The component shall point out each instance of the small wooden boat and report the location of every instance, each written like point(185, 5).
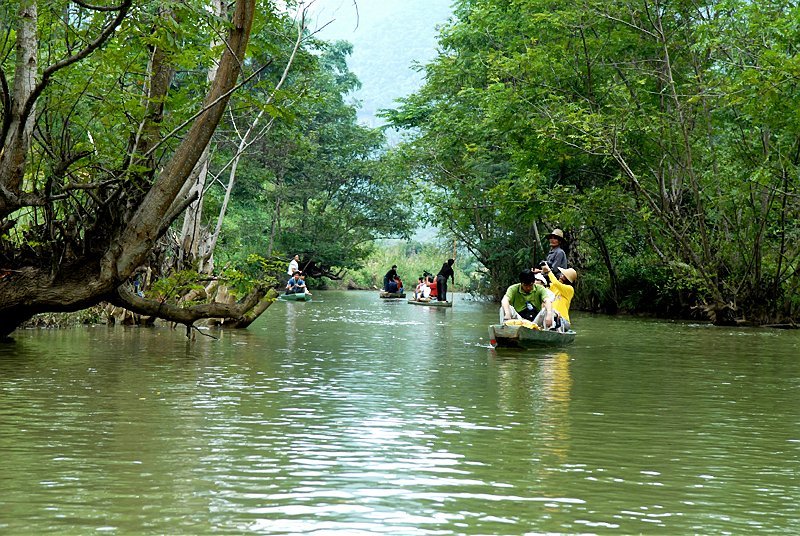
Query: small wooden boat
point(520, 336)
point(295, 297)
point(391, 295)
point(431, 303)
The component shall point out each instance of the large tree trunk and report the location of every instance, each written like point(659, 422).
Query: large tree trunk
point(192, 234)
point(17, 136)
point(147, 224)
point(27, 289)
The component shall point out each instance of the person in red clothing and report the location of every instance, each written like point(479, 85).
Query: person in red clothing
point(432, 285)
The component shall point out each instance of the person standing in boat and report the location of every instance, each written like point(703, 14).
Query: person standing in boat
point(441, 279)
point(525, 299)
point(556, 258)
point(294, 265)
point(389, 276)
point(563, 289)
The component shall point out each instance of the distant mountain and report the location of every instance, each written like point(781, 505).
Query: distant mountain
point(388, 37)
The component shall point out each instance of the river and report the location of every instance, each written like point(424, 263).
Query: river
point(352, 415)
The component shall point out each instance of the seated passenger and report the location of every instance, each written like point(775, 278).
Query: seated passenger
point(293, 286)
point(525, 299)
point(418, 290)
point(389, 276)
point(399, 283)
point(426, 293)
point(391, 286)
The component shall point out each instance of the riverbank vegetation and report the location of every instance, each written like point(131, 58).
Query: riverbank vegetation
point(413, 259)
point(662, 137)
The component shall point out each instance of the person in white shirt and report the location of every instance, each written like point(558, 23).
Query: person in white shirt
point(423, 291)
point(294, 265)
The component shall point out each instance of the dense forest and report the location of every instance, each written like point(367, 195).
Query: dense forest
point(190, 148)
point(181, 147)
point(663, 137)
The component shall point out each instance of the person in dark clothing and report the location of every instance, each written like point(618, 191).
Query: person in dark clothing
point(441, 279)
point(391, 286)
point(390, 275)
point(556, 258)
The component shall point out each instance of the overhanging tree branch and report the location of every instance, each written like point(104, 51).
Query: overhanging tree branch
point(124, 297)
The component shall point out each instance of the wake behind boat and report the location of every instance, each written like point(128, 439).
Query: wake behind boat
point(524, 334)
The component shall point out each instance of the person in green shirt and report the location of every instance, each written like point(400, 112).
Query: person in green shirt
point(524, 299)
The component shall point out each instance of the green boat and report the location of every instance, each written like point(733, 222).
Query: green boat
point(506, 336)
point(392, 295)
point(295, 297)
point(431, 303)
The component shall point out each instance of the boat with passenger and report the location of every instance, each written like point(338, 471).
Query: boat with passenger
point(519, 333)
point(297, 296)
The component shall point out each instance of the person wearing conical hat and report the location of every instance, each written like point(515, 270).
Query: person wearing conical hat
point(562, 288)
point(556, 258)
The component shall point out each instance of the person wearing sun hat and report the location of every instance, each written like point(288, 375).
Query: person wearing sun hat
point(562, 288)
point(557, 259)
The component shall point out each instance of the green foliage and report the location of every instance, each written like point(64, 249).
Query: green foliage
point(240, 279)
point(675, 130)
point(316, 185)
point(177, 285)
point(256, 271)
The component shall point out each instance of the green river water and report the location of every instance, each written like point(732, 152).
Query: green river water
point(352, 415)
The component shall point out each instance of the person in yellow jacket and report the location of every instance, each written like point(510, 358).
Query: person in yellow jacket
point(562, 287)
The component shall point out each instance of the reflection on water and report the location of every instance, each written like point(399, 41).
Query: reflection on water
point(353, 415)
